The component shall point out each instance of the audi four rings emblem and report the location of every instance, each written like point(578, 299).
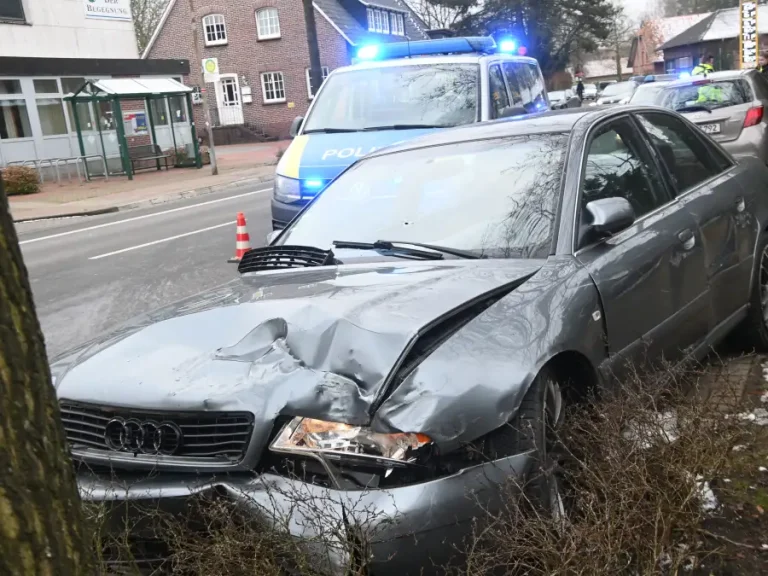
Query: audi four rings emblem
point(143, 436)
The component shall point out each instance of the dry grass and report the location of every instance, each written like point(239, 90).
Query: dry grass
point(637, 467)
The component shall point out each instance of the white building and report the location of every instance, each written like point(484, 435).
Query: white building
point(67, 28)
point(48, 48)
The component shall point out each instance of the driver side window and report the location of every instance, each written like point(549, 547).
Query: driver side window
point(618, 164)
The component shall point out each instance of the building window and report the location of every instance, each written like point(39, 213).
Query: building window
point(385, 22)
point(51, 112)
point(267, 24)
point(398, 24)
point(310, 88)
point(14, 120)
point(685, 62)
point(46, 86)
point(70, 86)
point(215, 30)
point(11, 10)
point(8, 87)
point(273, 87)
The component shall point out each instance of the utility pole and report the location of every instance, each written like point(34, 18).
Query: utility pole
point(199, 63)
point(315, 70)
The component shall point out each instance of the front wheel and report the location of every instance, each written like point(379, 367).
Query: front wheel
point(536, 428)
point(755, 327)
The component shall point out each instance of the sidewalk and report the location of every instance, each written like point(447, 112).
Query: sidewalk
point(239, 166)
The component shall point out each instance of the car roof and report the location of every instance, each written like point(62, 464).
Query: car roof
point(551, 122)
point(474, 58)
point(722, 75)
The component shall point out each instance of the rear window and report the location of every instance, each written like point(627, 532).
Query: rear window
point(710, 95)
point(647, 95)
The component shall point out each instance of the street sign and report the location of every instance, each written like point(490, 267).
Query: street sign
point(749, 42)
point(211, 70)
point(108, 9)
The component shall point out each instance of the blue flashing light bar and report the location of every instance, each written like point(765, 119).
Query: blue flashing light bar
point(313, 184)
point(460, 45)
point(685, 75)
point(507, 45)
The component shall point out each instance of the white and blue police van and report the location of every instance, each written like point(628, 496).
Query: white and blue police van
point(397, 91)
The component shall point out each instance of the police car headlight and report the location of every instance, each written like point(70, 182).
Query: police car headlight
point(287, 189)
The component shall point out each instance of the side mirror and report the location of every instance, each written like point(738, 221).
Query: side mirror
point(295, 125)
point(610, 215)
point(271, 236)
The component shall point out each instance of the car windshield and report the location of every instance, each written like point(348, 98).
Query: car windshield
point(557, 95)
point(647, 94)
point(495, 198)
point(417, 95)
point(710, 95)
point(619, 88)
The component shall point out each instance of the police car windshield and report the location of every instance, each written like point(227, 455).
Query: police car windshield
point(494, 198)
point(412, 95)
point(710, 95)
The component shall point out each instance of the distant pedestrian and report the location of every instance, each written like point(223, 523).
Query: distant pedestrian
point(707, 66)
point(763, 64)
point(580, 89)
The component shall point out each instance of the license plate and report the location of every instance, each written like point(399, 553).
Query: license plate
point(710, 128)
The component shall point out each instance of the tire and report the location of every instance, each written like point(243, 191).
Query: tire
point(534, 428)
point(754, 330)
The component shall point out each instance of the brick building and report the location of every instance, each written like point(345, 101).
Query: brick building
point(261, 47)
point(645, 57)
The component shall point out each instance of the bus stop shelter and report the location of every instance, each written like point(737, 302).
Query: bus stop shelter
point(116, 100)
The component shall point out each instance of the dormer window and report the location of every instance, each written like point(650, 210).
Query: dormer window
point(386, 22)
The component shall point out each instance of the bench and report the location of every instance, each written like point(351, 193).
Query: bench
point(145, 153)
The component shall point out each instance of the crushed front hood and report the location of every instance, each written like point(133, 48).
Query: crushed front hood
point(307, 342)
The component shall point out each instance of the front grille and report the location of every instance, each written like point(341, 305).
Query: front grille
point(281, 257)
point(214, 437)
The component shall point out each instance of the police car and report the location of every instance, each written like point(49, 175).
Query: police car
point(399, 91)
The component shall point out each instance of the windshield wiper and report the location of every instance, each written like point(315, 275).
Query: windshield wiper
point(694, 108)
point(402, 248)
point(406, 127)
point(330, 130)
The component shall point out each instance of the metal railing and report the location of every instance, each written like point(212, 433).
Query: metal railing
point(55, 164)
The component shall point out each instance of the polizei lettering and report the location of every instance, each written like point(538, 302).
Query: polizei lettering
point(343, 153)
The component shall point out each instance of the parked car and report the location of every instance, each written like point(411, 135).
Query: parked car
point(397, 91)
point(729, 106)
point(603, 85)
point(647, 94)
point(617, 93)
point(563, 99)
point(404, 346)
point(590, 91)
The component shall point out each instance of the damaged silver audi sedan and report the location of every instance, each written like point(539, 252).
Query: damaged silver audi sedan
point(408, 343)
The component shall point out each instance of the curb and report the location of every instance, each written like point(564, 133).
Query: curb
point(159, 200)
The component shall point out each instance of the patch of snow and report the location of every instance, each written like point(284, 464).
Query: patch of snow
point(759, 416)
point(763, 469)
point(764, 398)
point(727, 480)
point(708, 500)
point(739, 448)
point(764, 546)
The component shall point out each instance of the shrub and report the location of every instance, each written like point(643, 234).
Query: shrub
point(20, 180)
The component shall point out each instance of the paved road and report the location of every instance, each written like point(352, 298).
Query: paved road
point(90, 275)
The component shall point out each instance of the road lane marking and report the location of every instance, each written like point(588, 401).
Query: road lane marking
point(162, 240)
point(52, 236)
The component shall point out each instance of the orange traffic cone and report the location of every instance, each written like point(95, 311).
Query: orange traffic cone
point(242, 240)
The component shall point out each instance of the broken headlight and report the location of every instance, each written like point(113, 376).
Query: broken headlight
point(343, 441)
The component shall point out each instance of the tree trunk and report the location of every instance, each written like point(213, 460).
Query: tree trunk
point(41, 523)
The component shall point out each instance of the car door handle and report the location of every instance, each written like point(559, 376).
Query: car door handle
point(687, 239)
point(740, 205)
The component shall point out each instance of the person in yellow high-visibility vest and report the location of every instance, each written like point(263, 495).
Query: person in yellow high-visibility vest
point(711, 93)
point(707, 66)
